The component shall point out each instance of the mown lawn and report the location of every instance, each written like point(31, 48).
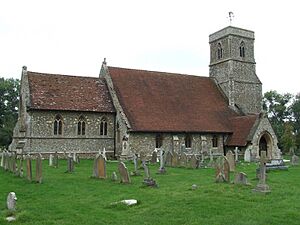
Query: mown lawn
point(76, 198)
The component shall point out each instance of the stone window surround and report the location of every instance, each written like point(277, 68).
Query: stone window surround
point(103, 127)
point(58, 125)
point(242, 49)
point(215, 141)
point(81, 126)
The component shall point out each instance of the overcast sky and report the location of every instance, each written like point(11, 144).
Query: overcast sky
point(73, 37)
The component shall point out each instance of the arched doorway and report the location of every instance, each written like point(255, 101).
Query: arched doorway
point(265, 144)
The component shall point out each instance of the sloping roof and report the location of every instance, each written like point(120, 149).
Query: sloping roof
point(242, 126)
point(62, 92)
point(168, 102)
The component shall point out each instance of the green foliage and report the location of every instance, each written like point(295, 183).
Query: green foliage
point(75, 198)
point(9, 102)
point(288, 139)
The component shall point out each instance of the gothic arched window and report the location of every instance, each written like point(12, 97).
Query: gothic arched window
point(103, 127)
point(242, 49)
point(220, 51)
point(81, 126)
point(188, 141)
point(57, 125)
point(215, 141)
point(158, 140)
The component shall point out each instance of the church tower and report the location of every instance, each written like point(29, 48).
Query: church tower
point(232, 66)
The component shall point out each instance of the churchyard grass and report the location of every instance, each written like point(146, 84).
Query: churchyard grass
point(75, 198)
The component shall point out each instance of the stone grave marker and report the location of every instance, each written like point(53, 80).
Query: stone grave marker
point(175, 159)
point(231, 160)
point(194, 162)
point(162, 168)
point(154, 157)
point(262, 186)
point(169, 158)
point(99, 167)
point(148, 181)
point(136, 172)
point(236, 154)
point(241, 178)
point(247, 155)
point(9, 161)
point(38, 167)
point(11, 201)
point(75, 157)
point(124, 175)
point(5, 163)
point(114, 176)
point(183, 160)
point(28, 168)
point(2, 160)
point(222, 169)
point(104, 153)
point(295, 160)
point(70, 168)
point(20, 170)
point(55, 160)
point(51, 160)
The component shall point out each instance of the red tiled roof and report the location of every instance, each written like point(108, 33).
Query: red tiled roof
point(62, 92)
point(162, 102)
point(242, 126)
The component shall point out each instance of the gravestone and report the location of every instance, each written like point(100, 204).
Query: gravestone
point(124, 175)
point(104, 153)
point(169, 158)
point(148, 181)
point(136, 172)
point(38, 167)
point(99, 167)
point(183, 160)
point(194, 162)
point(295, 160)
point(14, 162)
point(70, 168)
point(20, 171)
point(231, 161)
point(28, 168)
point(182, 149)
point(175, 159)
point(2, 160)
point(222, 169)
point(247, 155)
point(154, 157)
point(51, 160)
point(114, 176)
point(55, 160)
point(236, 154)
point(262, 187)
point(5, 163)
point(11, 201)
point(241, 178)
point(75, 157)
point(162, 168)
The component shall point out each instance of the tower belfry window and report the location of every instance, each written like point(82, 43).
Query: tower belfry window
point(220, 51)
point(242, 49)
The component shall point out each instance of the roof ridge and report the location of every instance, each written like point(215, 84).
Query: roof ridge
point(61, 75)
point(163, 72)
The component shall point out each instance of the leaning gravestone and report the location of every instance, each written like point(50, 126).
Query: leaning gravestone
point(169, 158)
point(183, 160)
point(295, 160)
point(154, 158)
point(11, 201)
point(241, 178)
point(124, 175)
point(262, 186)
point(222, 169)
point(38, 174)
point(247, 155)
point(175, 159)
point(99, 167)
point(28, 168)
point(231, 161)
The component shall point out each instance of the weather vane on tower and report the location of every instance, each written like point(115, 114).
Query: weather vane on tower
point(230, 17)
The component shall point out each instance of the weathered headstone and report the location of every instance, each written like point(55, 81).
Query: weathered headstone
point(2, 160)
point(183, 160)
point(148, 181)
point(241, 178)
point(114, 176)
point(231, 161)
point(28, 168)
point(99, 167)
point(136, 172)
point(5, 161)
point(194, 162)
point(247, 155)
point(175, 159)
point(55, 160)
point(124, 175)
point(154, 157)
point(222, 169)
point(75, 157)
point(169, 158)
point(51, 160)
point(104, 153)
point(162, 168)
point(236, 154)
point(20, 168)
point(11, 201)
point(14, 162)
point(70, 168)
point(295, 160)
point(38, 167)
point(262, 187)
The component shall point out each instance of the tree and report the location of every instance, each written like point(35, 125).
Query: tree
point(296, 118)
point(9, 102)
point(288, 138)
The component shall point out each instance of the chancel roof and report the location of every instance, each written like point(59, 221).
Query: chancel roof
point(73, 93)
point(168, 102)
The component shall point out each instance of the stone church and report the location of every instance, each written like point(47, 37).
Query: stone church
point(130, 111)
